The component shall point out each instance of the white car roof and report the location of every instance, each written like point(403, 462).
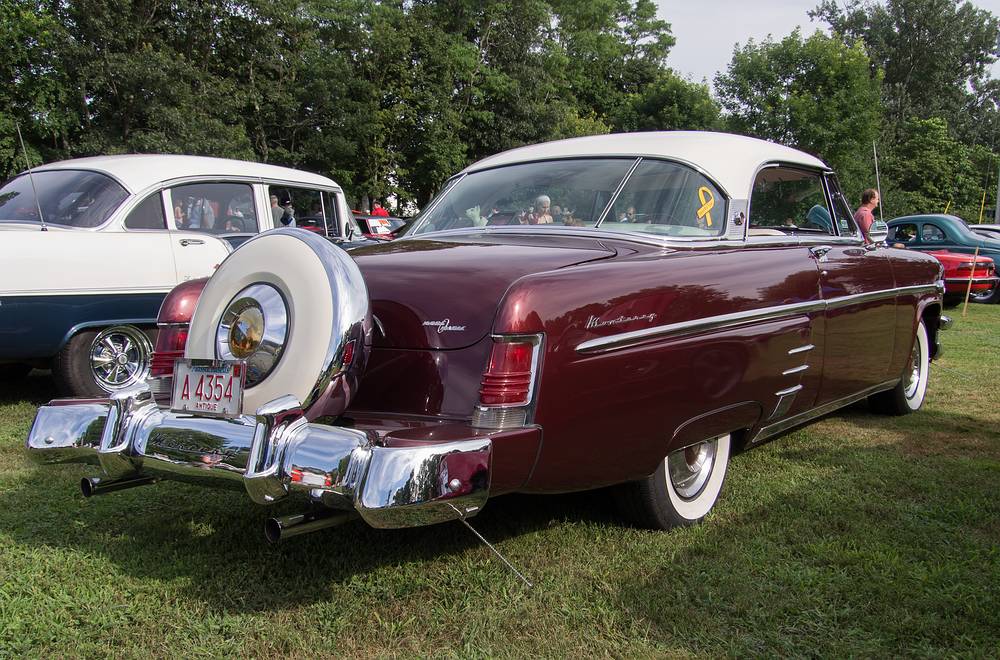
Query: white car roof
point(731, 160)
point(140, 171)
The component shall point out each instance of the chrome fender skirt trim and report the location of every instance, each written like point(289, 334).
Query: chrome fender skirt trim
point(778, 427)
point(272, 455)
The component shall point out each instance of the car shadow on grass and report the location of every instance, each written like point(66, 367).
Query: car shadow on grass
point(213, 541)
point(36, 388)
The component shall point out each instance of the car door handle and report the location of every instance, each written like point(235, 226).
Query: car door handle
point(191, 241)
point(819, 251)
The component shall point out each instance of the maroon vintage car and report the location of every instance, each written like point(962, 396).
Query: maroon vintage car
point(694, 293)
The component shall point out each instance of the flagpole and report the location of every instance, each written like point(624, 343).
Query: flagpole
point(878, 182)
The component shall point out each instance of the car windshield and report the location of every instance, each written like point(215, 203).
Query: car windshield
point(72, 198)
point(659, 197)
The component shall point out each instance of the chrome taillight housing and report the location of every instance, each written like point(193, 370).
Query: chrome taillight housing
point(170, 341)
point(507, 390)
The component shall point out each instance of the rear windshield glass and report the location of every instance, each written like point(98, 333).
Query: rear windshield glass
point(660, 197)
point(71, 198)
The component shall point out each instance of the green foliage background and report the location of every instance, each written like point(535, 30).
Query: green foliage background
point(390, 97)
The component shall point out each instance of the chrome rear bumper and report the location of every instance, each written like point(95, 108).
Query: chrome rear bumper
point(271, 454)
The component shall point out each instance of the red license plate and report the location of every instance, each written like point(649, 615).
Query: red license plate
point(209, 387)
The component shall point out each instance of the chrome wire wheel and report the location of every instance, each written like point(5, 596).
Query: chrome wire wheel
point(690, 468)
point(120, 357)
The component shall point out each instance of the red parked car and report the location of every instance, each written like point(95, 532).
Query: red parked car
point(706, 292)
point(959, 269)
point(379, 226)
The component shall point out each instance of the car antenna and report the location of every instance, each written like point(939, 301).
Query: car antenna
point(31, 178)
point(479, 536)
point(878, 182)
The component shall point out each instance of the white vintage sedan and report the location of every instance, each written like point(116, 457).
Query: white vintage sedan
point(89, 248)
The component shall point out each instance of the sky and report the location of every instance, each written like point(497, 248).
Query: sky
point(707, 30)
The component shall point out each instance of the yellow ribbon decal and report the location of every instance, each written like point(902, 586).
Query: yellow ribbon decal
point(707, 204)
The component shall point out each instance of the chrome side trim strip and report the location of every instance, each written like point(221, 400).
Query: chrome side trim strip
point(723, 321)
point(801, 349)
point(785, 424)
point(794, 370)
point(919, 288)
point(114, 291)
point(858, 298)
point(790, 390)
point(700, 325)
point(975, 280)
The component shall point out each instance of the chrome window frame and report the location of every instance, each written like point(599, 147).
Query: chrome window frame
point(606, 233)
point(168, 187)
point(114, 215)
point(128, 207)
point(820, 173)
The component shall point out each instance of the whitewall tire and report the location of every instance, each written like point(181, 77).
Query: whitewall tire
point(908, 395)
point(684, 488)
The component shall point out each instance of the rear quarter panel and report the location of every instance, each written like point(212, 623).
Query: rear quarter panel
point(611, 417)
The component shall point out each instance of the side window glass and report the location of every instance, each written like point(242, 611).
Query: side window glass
point(148, 215)
point(214, 208)
point(332, 213)
point(788, 201)
point(906, 233)
point(841, 209)
point(666, 198)
point(298, 207)
point(931, 233)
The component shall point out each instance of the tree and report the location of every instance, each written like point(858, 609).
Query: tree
point(672, 103)
point(37, 96)
point(932, 52)
point(814, 94)
point(613, 50)
point(929, 170)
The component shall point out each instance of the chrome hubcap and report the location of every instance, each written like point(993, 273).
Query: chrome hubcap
point(690, 468)
point(913, 373)
point(119, 357)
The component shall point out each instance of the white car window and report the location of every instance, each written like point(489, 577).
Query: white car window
point(148, 214)
point(72, 198)
point(790, 201)
point(305, 208)
point(214, 208)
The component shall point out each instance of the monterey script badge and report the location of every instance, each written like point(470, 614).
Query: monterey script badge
point(444, 326)
point(595, 322)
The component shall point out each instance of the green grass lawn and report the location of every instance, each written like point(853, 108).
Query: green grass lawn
point(859, 535)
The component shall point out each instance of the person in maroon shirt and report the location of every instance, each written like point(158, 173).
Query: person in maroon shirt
point(863, 216)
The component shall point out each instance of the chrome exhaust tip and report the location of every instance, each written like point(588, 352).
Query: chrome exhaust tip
point(285, 527)
point(91, 486)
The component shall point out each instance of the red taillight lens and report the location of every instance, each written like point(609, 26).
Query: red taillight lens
point(170, 343)
point(507, 380)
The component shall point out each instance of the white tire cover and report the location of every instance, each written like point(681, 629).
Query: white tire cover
point(290, 260)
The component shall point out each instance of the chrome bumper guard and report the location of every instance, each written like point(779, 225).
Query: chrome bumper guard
point(272, 454)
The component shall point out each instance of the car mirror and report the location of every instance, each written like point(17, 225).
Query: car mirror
point(878, 232)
